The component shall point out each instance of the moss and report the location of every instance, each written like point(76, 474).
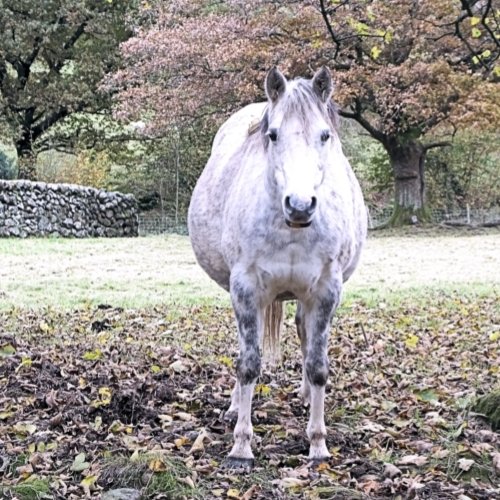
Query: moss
point(404, 216)
point(489, 406)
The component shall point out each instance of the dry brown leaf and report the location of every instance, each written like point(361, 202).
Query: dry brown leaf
point(293, 482)
point(465, 464)
point(496, 460)
point(421, 446)
point(390, 470)
point(412, 460)
point(249, 493)
point(181, 415)
point(187, 480)
point(371, 426)
point(198, 445)
point(370, 486)
point(179, 442)
point(157, 465)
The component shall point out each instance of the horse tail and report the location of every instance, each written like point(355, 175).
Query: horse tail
point(273, 322)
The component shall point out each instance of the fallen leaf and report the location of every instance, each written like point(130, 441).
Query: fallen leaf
point(25, 471)
point(371, 426)
point(323, 466)
point(441, 453)
point(183, 416)
point(198, 442)
point(44, 327)
point(7, 350)
point(178, 366)
point(79, 463)
point(421, 445)
point(496, 460)
point(293, 482)
point(187, 480)
point(25, 428)
point(263, 390)
point(411, 341)
point(370, 486)
point(179, 442)
point(412, 460)
point(157, 465)
point(249, 493)
point(390, 470)
point(93, 355)
point(465, 464)
point(87, 483)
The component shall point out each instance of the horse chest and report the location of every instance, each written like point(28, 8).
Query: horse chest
point(292, 269)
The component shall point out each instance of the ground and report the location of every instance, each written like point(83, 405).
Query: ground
point(99, 394)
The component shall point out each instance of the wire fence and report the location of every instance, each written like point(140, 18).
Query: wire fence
point(153, 223)
point(466, 216)
point(161, 224)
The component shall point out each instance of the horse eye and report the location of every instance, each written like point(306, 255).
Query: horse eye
point(273, 135)
point(325, 135)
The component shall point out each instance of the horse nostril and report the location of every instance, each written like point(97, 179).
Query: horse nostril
point(288, 205)
point(313, 204)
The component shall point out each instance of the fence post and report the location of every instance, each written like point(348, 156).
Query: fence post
point(468, 214)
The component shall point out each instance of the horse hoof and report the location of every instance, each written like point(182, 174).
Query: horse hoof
point(234, 463)
point(231, 416)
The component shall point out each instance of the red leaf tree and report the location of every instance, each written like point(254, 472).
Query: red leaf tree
point(404, 70)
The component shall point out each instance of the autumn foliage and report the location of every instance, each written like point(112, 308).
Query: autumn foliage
point(404, 70)
point(403, 63)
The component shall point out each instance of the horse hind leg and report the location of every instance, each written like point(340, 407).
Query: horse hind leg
point(232, 413)
point(305, 388)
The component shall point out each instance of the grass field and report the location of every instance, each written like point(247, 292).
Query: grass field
point(141, 272)
point(117, 362)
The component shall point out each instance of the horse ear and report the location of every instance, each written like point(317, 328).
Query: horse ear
point(275, 84)
point(322, 84)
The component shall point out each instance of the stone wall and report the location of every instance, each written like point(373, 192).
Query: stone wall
point(68, 210)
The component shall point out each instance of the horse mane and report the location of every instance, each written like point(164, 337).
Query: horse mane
point(299, 101)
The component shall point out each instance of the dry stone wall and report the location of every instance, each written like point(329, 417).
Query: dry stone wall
point(68, 210)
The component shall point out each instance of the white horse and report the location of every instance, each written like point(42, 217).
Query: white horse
point(279, 215)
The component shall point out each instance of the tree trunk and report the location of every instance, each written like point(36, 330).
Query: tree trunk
point(407, 161)
point(26, 161)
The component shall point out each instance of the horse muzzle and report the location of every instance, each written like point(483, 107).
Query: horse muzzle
point(299, 211)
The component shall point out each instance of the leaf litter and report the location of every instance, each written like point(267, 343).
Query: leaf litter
point(114, 398)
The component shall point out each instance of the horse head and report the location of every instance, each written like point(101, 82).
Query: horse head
point(298, 127)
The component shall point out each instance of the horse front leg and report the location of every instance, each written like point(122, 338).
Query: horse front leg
point(249, 317)
point(305, 390)
point(317, 321)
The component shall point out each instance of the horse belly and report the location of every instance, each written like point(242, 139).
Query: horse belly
point(205, 230)
point(208, 202)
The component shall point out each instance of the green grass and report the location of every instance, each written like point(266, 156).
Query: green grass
point(31, 489)
point(144, 272)
point(153, 473)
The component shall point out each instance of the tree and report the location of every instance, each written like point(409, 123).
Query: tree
point(467, 173)
point(405, 69)
point(6, 166)
point(53, 56)
point(411, 69)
